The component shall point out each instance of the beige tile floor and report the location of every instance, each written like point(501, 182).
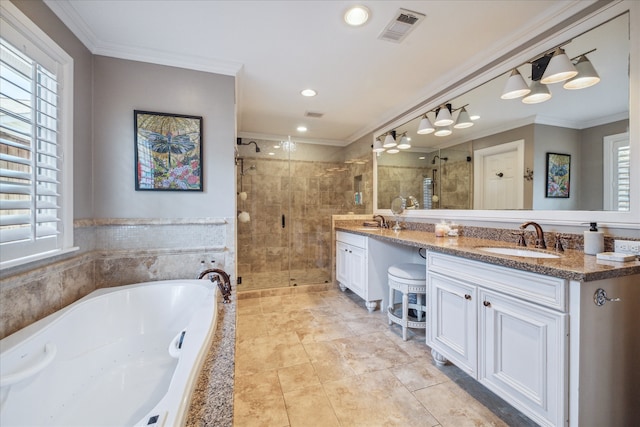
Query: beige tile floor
point(269, 280)
point(320, 359)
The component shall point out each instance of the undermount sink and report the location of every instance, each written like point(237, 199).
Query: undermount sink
point(525, 253)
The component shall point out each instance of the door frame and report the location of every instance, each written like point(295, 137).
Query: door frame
point(479, 173)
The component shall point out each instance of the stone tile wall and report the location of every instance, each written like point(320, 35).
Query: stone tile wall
point(308, 193)
point(113, 253)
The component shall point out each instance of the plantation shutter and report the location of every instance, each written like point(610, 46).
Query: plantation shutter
point(29, 152)
point(623, 181)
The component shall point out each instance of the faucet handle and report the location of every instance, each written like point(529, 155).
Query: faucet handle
point(521, 240)
point(558, 244)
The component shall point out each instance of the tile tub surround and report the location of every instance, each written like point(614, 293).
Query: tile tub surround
point(573, 264)
point(113, 252)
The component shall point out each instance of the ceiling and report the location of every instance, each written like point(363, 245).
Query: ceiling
point(277, 48)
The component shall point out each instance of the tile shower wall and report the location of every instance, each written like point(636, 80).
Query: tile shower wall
point(452, 179)
point(113, 253)
point(316, 189)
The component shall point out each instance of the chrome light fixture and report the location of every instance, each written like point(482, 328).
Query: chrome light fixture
point(425, 126)
point(377, 146)
point(443, 116)
point(515, 87)
point(463, 121)
point(559, 69)
point(587, 75)
point(390, 140)
point(404, 143)
point(539, 93)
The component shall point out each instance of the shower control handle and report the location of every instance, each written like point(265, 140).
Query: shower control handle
point(283, 222)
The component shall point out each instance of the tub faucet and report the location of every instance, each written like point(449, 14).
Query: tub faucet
point(382, 222)
point(222, 279)
point(540, 243)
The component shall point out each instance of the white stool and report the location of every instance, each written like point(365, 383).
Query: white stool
point(408, 278)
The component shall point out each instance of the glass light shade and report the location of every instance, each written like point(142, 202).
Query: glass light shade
point(425, 126)
point(443, 131)
point(463, 121)
point(515, 87)
point(377, 146)
point(559, 69)
point(404, 143)
point(389, 141)
point(443, 118)
point(539, 93)
point(587, 75)
point(393, 151)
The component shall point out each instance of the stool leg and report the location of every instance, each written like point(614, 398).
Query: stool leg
point(390, 306)
point(405, 315)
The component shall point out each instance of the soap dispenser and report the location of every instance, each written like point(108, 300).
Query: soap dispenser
point(593, 240)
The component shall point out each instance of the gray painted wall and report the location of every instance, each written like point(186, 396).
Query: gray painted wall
point(122, 86)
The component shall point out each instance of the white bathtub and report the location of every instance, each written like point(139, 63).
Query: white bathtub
point(125, 356)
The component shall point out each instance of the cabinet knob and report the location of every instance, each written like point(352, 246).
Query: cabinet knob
point(467, 296)
point(486, 303)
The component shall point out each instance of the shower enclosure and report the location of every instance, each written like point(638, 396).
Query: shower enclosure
point(287, 193)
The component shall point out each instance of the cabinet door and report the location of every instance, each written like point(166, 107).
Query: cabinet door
point(452, 322)
point(358, 271)
point(342, 263)
point(522, 355)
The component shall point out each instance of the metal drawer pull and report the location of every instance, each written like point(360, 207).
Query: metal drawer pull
point(486, 303)
point(600, 297)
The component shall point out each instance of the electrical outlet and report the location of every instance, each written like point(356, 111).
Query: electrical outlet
point(627, 246)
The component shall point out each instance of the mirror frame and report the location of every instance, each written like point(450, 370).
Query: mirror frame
point(579, 25)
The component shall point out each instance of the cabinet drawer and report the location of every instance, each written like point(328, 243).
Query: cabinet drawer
point(543, 290)
point(352, 239)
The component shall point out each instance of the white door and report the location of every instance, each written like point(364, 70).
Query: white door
point(452, 321)
point(522, 355)
point(498, 176)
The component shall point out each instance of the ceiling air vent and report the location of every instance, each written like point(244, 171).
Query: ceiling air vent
point(401, 25)
point(313, 114)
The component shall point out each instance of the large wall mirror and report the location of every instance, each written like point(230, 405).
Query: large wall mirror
point(568, 153)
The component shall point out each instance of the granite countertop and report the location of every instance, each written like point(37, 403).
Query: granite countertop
point(572, 264)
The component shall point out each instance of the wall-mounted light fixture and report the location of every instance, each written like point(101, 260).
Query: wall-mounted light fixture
point(391, 145)
point(444, 120)
point(551, 67)
point(390, 140)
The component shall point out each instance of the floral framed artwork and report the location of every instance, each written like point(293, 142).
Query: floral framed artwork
point(558, 173)
point(168, 151)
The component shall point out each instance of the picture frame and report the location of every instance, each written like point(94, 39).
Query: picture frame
point(558, 175)
point(168, 152)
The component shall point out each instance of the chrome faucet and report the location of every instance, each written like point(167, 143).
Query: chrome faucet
point(540, 243)
point(382, 222)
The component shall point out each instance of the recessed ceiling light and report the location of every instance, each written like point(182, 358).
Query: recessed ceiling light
point(301, 128)
point(476, 117)
point(308, 92)
point(271, 153)
point(356, 15)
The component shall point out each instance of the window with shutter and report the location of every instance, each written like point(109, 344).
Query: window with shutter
point(32, 216)
point(617, 179)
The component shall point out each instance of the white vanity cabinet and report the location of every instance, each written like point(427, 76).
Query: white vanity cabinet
point(352, 267)
point(504, 327)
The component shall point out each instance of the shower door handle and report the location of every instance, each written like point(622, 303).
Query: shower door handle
point(282, 220)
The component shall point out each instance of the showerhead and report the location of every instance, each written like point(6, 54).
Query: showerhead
point(433, 161)
point(249, 143)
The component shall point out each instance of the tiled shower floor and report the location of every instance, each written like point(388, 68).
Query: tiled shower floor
point(320, 359)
